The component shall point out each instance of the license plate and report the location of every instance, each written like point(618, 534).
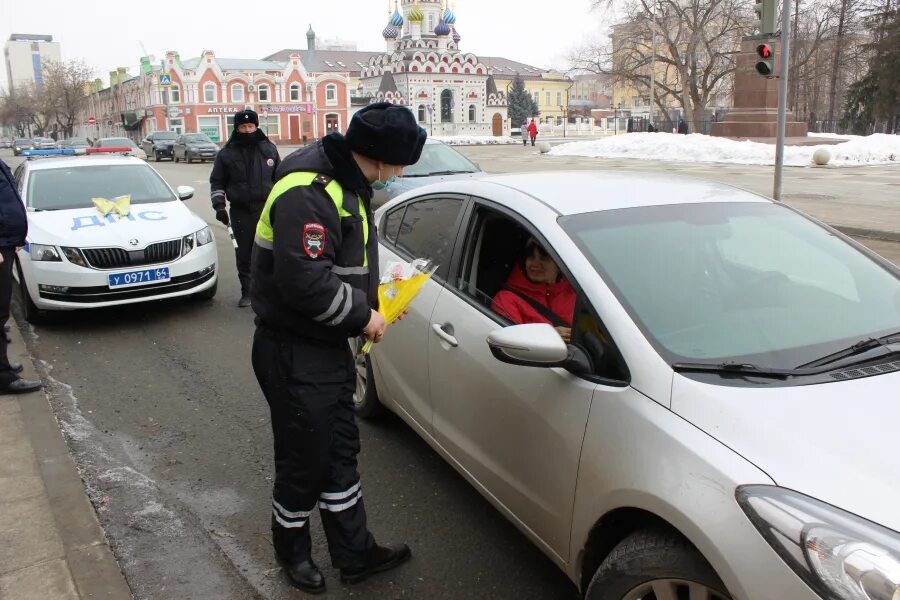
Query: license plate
point(134, 278)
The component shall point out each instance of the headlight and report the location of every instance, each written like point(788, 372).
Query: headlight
point(204, 237)
point(838, 554)
point(44, 253)
point(73, 255)
point(187, 243)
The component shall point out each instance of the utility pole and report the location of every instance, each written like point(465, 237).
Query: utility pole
point(653, 64)
point(782, 96)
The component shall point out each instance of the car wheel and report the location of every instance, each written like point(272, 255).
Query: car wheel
point(209, 293)
point(187, 156)
point(365, 398)
point(30, 311)
point(156, 155)
point(651, 564)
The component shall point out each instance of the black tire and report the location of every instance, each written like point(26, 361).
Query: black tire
point(365, 399)
point(30, 311)
point(653, 557)
point(209, 293)
point(156, 156)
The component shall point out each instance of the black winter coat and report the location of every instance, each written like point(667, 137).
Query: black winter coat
point(244, 173)
point(13, 223)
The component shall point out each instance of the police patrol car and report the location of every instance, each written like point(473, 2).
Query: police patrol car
point(105, 230)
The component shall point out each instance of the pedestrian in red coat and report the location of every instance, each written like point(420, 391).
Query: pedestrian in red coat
point(536, 292)
point(532, 131)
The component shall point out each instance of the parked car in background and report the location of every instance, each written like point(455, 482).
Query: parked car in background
point(439, 162)
point(6, 143)
point(121, 142)
point(77, 143)
point(159, 144)
point(20, 144)
point(44, 143)
point(194, 146)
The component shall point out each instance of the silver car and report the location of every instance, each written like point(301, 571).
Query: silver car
point(438, 162)
point(723, 422)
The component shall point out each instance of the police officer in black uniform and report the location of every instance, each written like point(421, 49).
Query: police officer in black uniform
point(315, 282)
point(243, 174)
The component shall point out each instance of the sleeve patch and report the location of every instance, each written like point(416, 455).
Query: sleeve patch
point(313, 239)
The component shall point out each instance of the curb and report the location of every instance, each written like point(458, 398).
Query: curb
point(875, 234)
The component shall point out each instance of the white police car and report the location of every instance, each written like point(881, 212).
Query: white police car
point(107, 230)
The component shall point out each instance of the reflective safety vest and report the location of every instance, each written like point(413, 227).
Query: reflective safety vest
point(265, 235)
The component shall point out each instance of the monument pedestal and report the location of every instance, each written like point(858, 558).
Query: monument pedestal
point(755, 112)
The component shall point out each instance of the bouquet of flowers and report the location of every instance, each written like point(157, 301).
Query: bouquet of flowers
point(400, 283)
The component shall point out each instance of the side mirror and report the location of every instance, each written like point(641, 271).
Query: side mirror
point(185, 192)
point(533, 345)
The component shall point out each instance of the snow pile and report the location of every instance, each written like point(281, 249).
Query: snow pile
point(474, 140)
point(877, 149)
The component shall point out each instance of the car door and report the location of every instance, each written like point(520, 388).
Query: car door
point(517, 431)
point(421, 228)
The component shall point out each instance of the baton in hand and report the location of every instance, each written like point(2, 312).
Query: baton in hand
point(231, 235)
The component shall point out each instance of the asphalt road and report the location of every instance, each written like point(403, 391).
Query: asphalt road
point(171, 433)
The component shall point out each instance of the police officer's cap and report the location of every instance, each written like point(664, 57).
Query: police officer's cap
point(387, 133)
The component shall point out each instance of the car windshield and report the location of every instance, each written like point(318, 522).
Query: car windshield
point(165, 135)
point(440, 159)
point(22, 142)
point(116, 143)
point(74, 187)
point(745, 282)
point(198, 138)
point(77, 141)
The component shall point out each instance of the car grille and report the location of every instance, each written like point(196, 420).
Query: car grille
point(115, 258)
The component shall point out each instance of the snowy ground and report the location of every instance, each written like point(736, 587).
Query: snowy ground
point(475, 140)
point(877, 149)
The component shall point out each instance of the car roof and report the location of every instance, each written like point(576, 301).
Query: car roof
point(576, 192)
point(63, 162)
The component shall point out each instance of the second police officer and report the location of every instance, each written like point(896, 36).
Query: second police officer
point(314, 285)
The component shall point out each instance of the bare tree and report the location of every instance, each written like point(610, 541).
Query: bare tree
point(65, 86)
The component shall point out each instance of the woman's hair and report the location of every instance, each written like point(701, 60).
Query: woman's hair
point(533, 243)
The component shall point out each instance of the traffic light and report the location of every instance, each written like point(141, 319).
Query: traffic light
point(765, 14)
point(765, 60)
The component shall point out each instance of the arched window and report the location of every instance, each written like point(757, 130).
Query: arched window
point(422, 112)
point(295, 92)
point(209, 92)
point(446, 106)
point(263, 92)
point(237, 93)
point(471, 113)
point(331, 94)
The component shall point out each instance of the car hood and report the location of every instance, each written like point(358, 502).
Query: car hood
point(86, 228)
point(404, 184)
point(835, 441)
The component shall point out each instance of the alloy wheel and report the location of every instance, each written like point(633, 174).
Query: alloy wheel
point(673, 589)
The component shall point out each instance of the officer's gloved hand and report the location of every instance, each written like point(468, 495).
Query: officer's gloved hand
point(222, 216)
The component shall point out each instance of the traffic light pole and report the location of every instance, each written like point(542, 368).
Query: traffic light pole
point(782, 96)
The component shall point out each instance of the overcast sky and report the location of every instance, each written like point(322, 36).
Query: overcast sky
point(108, 34)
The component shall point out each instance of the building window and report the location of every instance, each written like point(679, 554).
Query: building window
point(430, 24)
point(331, 94)
point(176, 125)
point(263, 93)
point(176, 94)
point(559, 98)
point(295, 92)
point(270, 125)
point(211, 126)
point(237, 93)
point(209, 92)
point(446, 106)
point(422, 112)
point(537, 98)
point(471, 113)
point(547, 98)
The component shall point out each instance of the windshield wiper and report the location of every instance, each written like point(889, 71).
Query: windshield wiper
point(732, 368)
point(859, 347)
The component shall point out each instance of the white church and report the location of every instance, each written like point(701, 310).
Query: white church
point(450, 92)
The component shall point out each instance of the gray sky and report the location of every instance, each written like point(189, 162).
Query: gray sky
point(108, 34)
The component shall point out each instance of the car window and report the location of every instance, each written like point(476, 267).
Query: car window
point(74, 187)
point(390, 227)
point(439, 159)
point(116, 143)
point(197, 138)
point(428, 230)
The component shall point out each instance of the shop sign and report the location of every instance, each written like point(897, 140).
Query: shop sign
point(223, 110)
point(291, 108)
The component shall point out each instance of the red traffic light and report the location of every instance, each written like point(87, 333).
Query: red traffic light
point(764, 51)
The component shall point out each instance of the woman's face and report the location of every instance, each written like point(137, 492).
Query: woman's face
point(540, 268)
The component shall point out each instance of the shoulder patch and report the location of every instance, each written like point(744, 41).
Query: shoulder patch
point(323, 180)
point(313, 239)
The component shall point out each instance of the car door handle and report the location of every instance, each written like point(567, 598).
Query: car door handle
point(445, 332)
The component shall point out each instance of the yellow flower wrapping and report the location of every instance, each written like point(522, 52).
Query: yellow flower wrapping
point(395, 297)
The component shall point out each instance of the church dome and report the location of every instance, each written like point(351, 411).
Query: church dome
point(442, 28)
point(390, 32)
point(449, 17)
point(456, 36)
point(397, 18)
point(415, 14)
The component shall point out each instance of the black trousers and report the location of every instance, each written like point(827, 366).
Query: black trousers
point(243, 222)
point(309, 388)
point(7, 375)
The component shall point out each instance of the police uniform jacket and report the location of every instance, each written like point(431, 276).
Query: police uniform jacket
point(315, 257)
point(244, 173)
point(13, 223)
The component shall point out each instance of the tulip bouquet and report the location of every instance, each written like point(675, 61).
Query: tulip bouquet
point(400, 283)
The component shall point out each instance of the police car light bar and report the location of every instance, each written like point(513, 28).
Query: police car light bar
point(56, 152)
point(109, 150)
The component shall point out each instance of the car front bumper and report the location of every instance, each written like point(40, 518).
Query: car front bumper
point(64, 286)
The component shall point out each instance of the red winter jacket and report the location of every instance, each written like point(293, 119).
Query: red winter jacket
point(559, 297)
point(532, 129)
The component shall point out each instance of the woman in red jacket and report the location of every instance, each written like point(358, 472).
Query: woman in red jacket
point(536, 292)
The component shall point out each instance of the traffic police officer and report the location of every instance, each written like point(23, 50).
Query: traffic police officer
point(314, 285)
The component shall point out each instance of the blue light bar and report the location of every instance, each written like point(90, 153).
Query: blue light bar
point(55, 152)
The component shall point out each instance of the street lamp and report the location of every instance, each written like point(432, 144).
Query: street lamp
point(616, 110)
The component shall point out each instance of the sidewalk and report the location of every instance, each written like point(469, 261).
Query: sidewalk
point(51, 544)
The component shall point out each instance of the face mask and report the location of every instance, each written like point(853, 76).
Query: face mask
point(383, 184)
